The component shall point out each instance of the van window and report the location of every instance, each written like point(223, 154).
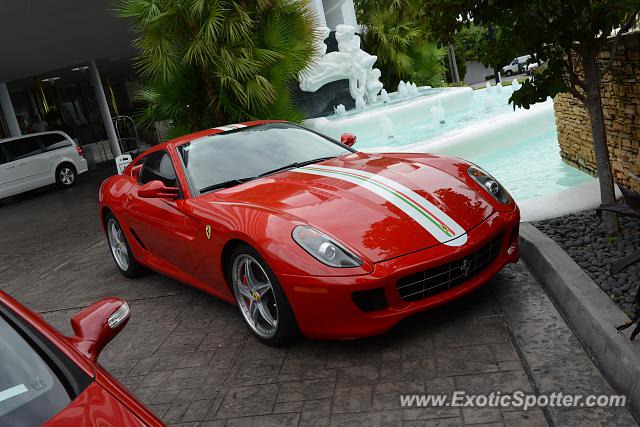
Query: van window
point(20, 148)
point(52, 141)
point(158, 166)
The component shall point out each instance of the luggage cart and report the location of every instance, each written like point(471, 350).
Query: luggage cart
point(127, 135)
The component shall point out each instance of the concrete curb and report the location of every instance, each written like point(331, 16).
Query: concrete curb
point(589, 311)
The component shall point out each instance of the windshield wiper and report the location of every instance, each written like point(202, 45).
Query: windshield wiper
point(226, 184)
point(295, 165)
point(238, 181)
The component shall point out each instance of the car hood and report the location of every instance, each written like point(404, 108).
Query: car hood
point(380, 206)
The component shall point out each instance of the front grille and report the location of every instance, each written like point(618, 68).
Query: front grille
point(444, 277)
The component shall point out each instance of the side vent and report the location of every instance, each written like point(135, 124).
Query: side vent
point(135, 236)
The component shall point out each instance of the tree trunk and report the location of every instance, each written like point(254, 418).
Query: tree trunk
point(451, 59)
point(603, 165)
point(454, 62)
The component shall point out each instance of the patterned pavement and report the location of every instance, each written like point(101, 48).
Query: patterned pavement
point(192, 361)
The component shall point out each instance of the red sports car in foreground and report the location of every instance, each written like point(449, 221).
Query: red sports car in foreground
point(306, 234)
point(51, 380)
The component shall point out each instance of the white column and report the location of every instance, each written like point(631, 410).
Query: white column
point(7, 110)
point(349, 13)
point(104, 110)
point(318, 10)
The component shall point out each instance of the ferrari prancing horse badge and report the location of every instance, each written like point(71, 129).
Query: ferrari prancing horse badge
point(207, 231)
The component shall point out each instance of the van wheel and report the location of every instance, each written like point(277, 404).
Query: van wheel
point(508, 73)
point(66, 175)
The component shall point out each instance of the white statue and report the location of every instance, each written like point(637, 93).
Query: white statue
point(349, 62)
point(384, 95)
point(373, 85)
point(360, 103)
point(339, 110)
point(321, 47)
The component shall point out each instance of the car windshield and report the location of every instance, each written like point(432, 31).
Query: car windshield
point(30, 393)
point(231, 158)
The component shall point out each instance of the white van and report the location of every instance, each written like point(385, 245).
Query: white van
point(38, 159)
point(516, 66)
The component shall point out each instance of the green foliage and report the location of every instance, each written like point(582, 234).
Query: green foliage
point(211, 62)
point(474, 43)
point(461, 63)
point(550, 28)
point(396, 34)
point(568, 34)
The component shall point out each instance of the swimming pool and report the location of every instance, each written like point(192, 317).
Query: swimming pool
point(520, 148)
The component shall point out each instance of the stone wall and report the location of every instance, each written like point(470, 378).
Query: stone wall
point(621, 103)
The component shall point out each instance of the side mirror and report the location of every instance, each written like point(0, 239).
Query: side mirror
point(157, 190)
point(348, 139)
point(135, 172)
point(98, 324)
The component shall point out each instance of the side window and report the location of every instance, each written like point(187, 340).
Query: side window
point(515, 61)
point(21, 148)
point(3, 157)
point(158, 166)
point(52, 141)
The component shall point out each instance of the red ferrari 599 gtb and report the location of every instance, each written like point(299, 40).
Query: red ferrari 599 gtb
point(305, 234)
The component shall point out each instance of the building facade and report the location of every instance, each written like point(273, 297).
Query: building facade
point(70, 63)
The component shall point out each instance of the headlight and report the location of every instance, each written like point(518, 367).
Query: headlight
point(322, 248)
point(489, 183)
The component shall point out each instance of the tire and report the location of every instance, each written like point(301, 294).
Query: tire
point(120, 249)
point(508, 73)
point(66, 175)
point(259, 291)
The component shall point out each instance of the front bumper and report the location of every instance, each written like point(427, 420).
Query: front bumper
point(324, 306)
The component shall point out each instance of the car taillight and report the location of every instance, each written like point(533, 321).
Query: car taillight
point(80, 150)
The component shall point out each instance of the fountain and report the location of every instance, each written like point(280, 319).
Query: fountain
point(360, 103)
point(403, 91)
point(437, 112)
point(386, 126)
point(412, 89)
point(515, 85)
point(349, 62)
point(384, 96)
point(339, 110)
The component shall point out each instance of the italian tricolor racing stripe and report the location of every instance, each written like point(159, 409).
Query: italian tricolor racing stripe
point(425, 213)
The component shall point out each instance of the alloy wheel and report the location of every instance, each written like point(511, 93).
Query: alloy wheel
point(255, 296)
point(67, 176)
point(118, 244)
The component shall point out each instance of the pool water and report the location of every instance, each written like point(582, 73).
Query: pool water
point(486, 105)
point(523, 155)
point(532, 167)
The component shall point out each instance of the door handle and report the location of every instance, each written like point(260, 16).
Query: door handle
point(11, 167)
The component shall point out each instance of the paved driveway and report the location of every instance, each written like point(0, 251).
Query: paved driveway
point(189, 357)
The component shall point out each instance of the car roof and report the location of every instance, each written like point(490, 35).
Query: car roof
point(213, 131)
point(29, 135)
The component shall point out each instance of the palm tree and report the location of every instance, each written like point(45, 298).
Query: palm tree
point(394, 32)
point(210, 62)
